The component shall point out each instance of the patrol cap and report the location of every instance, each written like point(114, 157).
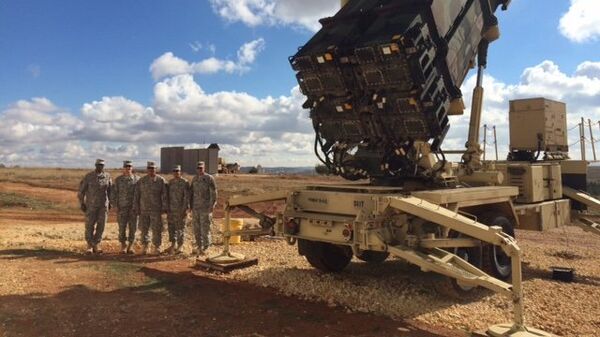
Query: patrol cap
point(176, 168)
point(151, 164)
point(200, 164)
point(127, 163)
point(100, 162)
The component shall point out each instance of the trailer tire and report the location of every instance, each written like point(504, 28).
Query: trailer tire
point(325, 256)
point(372, 256)
point(473, 255)
point(495, 260)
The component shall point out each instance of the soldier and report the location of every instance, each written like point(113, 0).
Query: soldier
point(94, 191)
point(150, 200)
point(122, 198)
point(179, 203)
point(203, 200)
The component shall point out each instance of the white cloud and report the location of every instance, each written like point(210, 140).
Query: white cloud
point(36, 120)
point(250, 130)
point(114, 109)
point(581, 23)
point(294, 13)
point(118, 119)
point(589, 69)
point(170, 65)
point(248, 51)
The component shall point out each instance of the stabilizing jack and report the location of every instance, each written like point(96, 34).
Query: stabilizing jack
point(446, 263)
point(227, 260)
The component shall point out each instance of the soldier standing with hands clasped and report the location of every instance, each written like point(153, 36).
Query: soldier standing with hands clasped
point(179, 203)
point(150, 201)
point(94, 192)
point(122, 198)
point(203, 201)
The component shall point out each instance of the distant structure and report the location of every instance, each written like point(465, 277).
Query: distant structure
point(189, 158)
point(228, 168)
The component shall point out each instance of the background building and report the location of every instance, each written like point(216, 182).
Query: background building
point(169, 157)
point(188, 158)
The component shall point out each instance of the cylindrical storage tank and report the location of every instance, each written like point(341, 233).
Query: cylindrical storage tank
point(235, 225)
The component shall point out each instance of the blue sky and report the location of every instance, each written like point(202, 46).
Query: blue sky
point(88, 49)
point(59, 57)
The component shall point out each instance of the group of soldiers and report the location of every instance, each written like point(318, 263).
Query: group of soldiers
point(143, 201)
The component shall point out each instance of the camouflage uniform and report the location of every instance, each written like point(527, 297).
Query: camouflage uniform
point(150, 200)
point(122, 197)
point(179, 202)
point(203, 200)
point(94, 191)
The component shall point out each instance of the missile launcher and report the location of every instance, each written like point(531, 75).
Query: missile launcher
point(383, 75)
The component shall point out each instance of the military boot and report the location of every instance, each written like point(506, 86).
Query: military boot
point(130, 248)
point(89, 249)
point(171, 249)
point(123, 248)
point(97, 249)
point(179, 249)
point(144, 249)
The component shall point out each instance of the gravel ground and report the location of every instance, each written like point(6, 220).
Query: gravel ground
point(399, 290)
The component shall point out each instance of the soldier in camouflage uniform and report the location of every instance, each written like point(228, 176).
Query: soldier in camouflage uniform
point(122, 198)
point(94, 192)
point(179, 203)
point(203, 201)
point(149, 202)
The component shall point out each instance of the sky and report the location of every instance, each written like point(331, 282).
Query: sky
point(117, 80)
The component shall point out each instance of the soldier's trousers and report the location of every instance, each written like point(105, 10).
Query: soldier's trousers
point(95, 220)
point(127, 221)
point(151, 220)
point(202, 222)
point(176, 226)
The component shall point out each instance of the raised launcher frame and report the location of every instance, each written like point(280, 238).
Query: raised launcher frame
point(382, 75)
point(437, 230)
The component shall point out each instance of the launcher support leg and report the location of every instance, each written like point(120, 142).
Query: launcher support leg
point(227, 232)
point(451, 265)
point(226, 256)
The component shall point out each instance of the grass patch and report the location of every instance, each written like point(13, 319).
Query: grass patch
point(17, 200)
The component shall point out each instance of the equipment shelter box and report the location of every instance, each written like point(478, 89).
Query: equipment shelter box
point(537, 182)
point(545, 215)
point(538, 124)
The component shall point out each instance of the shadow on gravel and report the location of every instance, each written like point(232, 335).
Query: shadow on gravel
point(546, 274)
point(65, 257)
point(183, 303)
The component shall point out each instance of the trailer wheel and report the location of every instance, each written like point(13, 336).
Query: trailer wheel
point(325, 256)
point(371, 256)
point(497, 262)
point(473, 255)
